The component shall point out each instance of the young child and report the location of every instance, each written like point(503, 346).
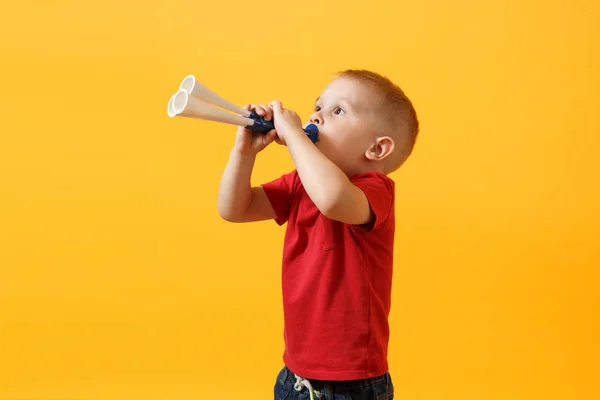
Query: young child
point(338, 253)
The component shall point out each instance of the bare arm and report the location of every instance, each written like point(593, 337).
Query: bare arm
point(238, 201)
point(327, 185)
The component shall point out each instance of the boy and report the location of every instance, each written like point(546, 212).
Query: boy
point(338, 250)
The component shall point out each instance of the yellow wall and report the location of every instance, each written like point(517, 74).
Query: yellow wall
point(118, 280)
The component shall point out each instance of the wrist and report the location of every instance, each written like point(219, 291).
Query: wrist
point(295, 135)
point(241, 154)
point(242, 157)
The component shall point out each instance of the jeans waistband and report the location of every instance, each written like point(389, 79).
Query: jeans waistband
point(341, 385)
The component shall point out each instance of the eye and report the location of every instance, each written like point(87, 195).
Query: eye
point(338, 111)
point(317, 108)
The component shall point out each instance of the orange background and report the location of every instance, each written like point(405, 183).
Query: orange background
point(119, 281)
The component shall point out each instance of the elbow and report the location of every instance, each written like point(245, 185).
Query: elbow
point(231, 214)
point(330, 211)
point(226, 217)
point(227, 214)
point(232, 211)
point(230, 217)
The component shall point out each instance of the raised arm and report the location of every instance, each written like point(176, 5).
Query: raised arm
point(327, 185)
point(237, 200)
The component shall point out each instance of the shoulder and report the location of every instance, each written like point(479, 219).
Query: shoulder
point(291, 176)
point(293, 180)
point(379, 190)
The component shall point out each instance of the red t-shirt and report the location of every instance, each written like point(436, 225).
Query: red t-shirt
point(336, 282)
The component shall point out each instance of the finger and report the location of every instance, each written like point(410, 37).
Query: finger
point(255, 107)
point(268, 112)
point(258, 109)
point(270, 136)
point(277, 106)
point(246, 107)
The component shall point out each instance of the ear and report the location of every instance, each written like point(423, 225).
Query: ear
point(381, 148)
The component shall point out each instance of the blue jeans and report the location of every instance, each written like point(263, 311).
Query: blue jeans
point(379, 388)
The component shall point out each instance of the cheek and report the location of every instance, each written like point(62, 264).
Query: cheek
point(330, 144)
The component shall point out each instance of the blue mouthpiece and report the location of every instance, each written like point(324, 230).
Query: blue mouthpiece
point(262, 126)
point(312, 131)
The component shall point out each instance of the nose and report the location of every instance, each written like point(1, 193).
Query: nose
point(316, 118)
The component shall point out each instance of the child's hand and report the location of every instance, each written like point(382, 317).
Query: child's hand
point(287, 122)
point(248, 142)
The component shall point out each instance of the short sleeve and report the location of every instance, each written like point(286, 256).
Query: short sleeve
point(379, 190)
point(280, 193)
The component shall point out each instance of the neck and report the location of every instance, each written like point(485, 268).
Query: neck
point(366, 167)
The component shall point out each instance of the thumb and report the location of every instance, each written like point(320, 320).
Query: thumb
point(270, 136)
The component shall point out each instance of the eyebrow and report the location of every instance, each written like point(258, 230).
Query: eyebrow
point(343, 99)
